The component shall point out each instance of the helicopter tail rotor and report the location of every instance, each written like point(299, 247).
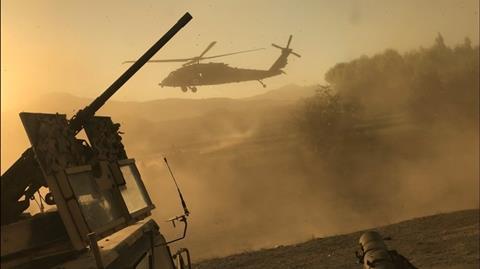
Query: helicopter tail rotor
point(287, 50)
point(281, 62)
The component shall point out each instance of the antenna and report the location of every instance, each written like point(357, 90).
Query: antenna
point(181, 218)
point(184, 205)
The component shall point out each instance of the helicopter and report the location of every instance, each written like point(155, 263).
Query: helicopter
point(193, 73)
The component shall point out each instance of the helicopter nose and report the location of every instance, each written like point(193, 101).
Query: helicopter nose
point(164, 82)
point(167, 81)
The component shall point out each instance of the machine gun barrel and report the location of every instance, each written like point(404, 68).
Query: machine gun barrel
point(77, 121)
point(24, 177)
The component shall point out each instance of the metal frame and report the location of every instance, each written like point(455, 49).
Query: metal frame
point(67, 202)
point(56, 180)
point(110, 227)
point(150, 205)
point(146, 255)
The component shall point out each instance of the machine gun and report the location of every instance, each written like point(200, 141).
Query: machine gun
point(24, 178)
point(375, 254)
point(102, 207)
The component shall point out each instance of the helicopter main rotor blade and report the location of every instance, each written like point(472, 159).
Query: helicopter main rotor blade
point(207, 49)
point(164, 61)
point(193, 59)
point(196, 59)
point(232, 53)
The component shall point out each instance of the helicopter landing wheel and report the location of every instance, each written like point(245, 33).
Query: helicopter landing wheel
point(263, 84)
point(193, 89)
point(184, 89)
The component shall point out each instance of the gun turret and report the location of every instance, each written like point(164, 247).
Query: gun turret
point(24, 177)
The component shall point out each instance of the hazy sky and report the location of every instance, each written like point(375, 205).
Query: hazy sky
point(78, 46)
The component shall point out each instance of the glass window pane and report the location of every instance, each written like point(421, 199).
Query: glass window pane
point(132, 192)
point(143, 264)
point(98, 207)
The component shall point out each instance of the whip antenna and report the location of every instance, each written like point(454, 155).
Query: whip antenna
point(184, 205)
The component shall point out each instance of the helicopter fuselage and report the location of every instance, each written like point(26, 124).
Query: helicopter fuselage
point(213, 73)
point(193, 73)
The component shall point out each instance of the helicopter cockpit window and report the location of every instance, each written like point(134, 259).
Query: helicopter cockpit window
point(133, 191)
point(98, 205)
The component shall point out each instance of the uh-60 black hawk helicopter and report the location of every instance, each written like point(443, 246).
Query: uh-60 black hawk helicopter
point(193, 73)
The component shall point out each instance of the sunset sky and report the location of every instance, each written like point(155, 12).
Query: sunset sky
point(78, 46)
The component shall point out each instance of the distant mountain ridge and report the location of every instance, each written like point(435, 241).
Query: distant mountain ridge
point(171, 108)
point(287, 92)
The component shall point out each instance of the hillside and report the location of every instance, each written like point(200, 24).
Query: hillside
point(442, 241)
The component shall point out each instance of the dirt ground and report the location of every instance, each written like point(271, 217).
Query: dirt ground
point(442, 241)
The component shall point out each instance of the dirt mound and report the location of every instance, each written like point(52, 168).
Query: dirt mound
point(440, 241)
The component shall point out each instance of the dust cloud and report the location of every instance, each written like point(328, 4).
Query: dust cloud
point(393, 137)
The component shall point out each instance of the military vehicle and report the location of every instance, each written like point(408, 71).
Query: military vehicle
point(99, 208)
point(193, 73)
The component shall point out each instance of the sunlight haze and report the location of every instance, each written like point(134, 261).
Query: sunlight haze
point(78, 46)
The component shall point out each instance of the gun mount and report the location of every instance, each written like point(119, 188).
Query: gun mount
point(24, 177)
point(95, 191)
